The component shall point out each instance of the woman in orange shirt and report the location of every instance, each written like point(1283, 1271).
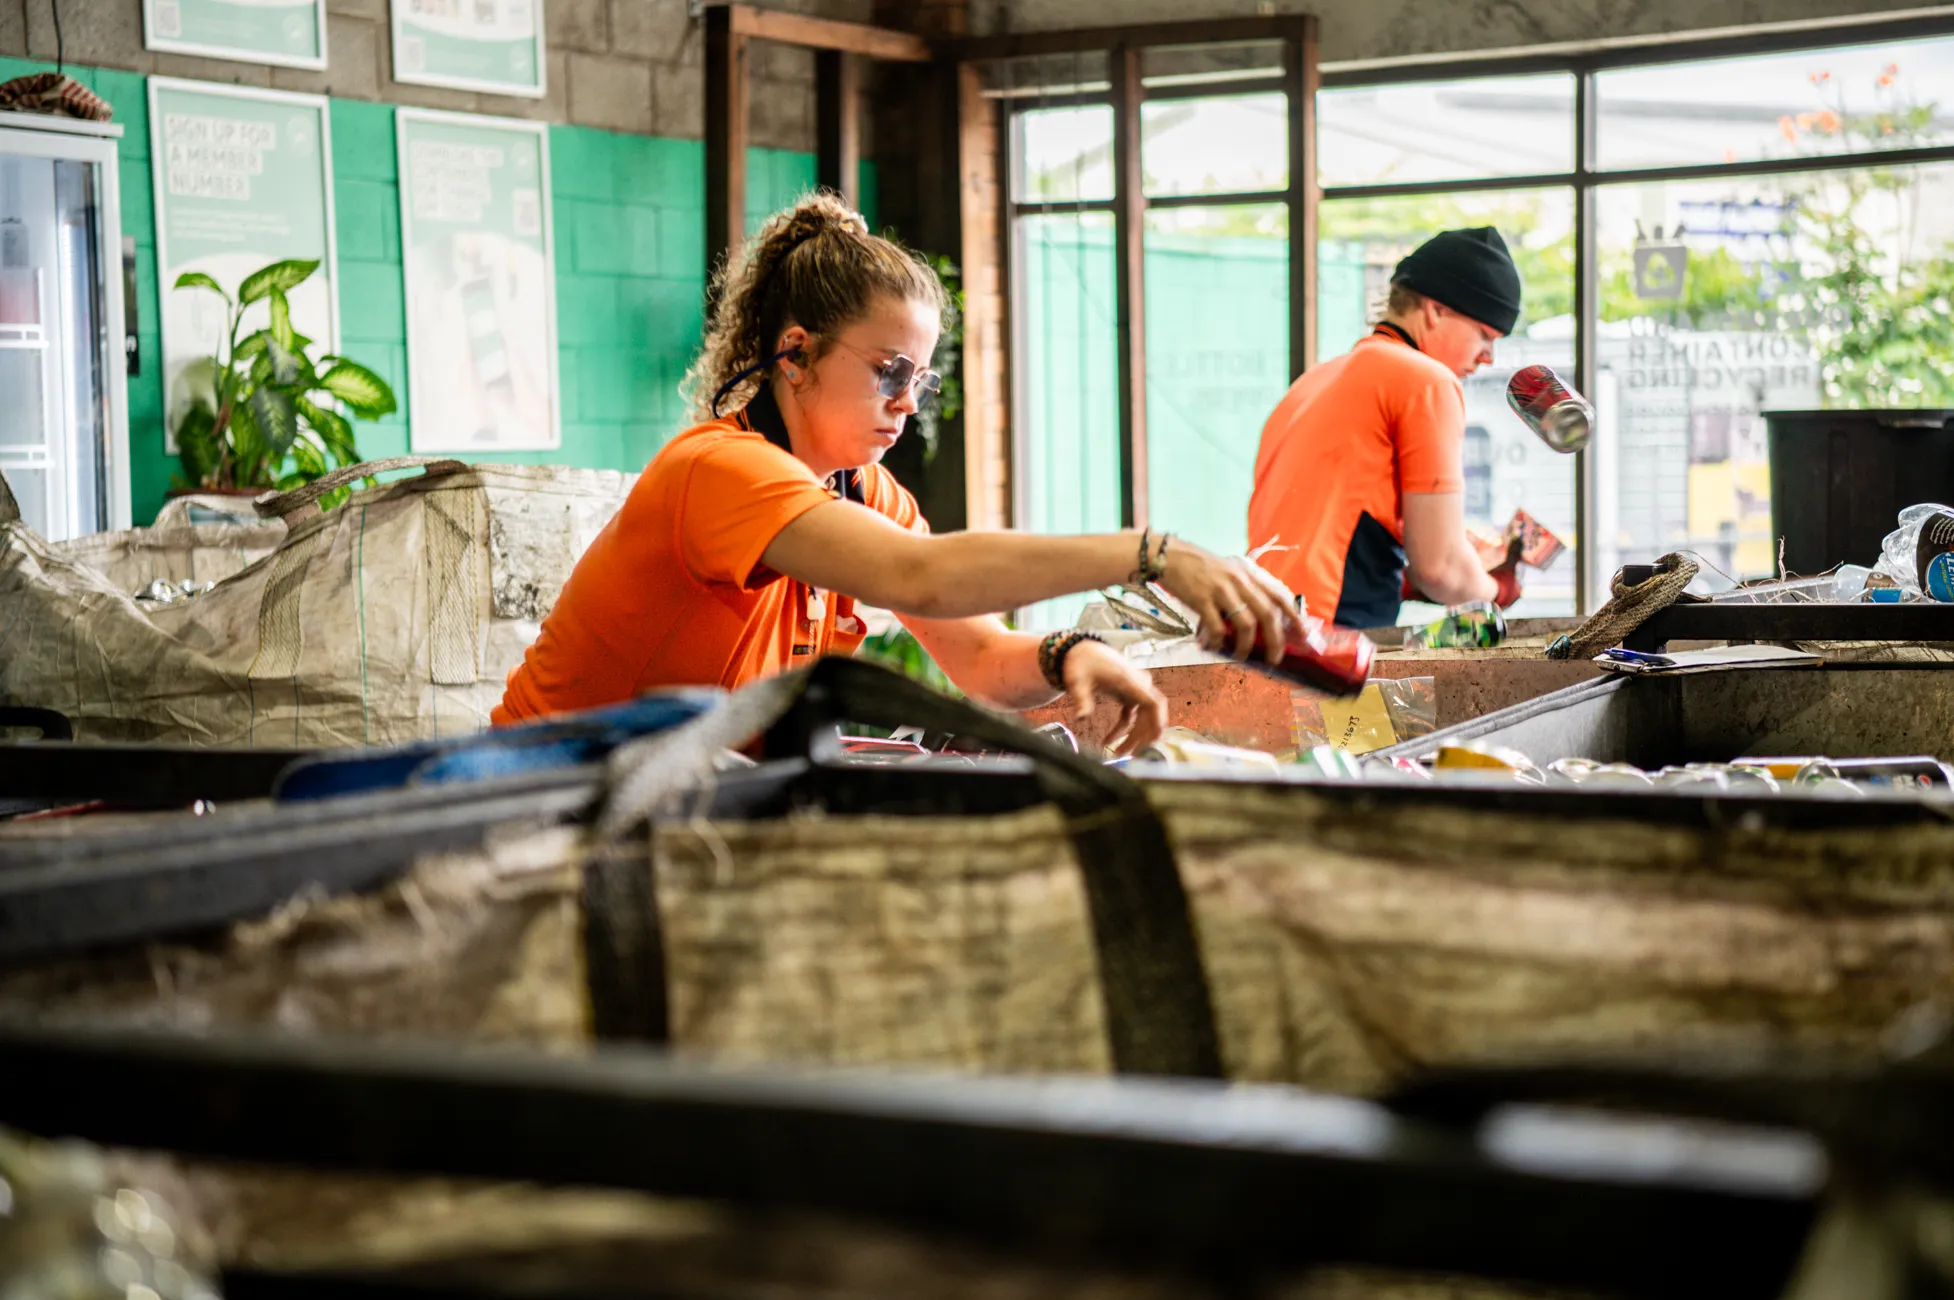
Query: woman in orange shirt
point(748, 540)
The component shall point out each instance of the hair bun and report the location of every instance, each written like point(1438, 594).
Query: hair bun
point(816, 214)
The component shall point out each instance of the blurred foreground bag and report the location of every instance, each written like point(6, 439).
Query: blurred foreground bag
point(1334, 936)
point(395, 616)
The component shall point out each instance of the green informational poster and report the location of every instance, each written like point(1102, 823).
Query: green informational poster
point(490, 45)
point(481, 282)
point(243, 178)
point(290, 33)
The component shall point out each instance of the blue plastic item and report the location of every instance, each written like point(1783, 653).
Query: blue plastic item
point(565, 741)
point(1940, 577)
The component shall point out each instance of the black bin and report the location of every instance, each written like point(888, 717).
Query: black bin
point(1840, 478)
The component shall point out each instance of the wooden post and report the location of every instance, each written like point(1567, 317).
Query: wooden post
point(986, 346)
point(838, 124)
point(725, 137)
point(1129, 284)
point(1301, 80)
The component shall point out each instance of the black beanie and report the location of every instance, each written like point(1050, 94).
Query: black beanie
point(1469, 271)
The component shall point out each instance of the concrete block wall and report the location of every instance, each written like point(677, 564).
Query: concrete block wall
point(1357, 30)
point(616, 65)
point(629, 233)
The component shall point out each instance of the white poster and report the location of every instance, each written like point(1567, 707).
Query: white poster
point(489, 45)
point(291, 33)
point(243, 179)
point(481, 282)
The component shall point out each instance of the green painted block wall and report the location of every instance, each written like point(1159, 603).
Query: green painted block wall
point(629, 231)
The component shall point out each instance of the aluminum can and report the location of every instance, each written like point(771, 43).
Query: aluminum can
point(1557, 414)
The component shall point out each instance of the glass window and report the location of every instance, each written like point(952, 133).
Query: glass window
point(1067, 385)
point(1064, 154)
point(1446, 130)
point(1217, 361)
point(1721, 300)
point(1841, 100)
point(1229, 144)
point(1507, 468)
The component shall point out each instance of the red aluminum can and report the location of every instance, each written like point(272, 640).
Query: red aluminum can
point(1323, 656)
point(1560, 416)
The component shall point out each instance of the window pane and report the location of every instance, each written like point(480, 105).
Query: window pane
point(1217, 361)
point(1446, 130)
point(1233, 144)
point(1777, 293)
point(1067, 388)
point(1506, 467)
point(1776, 105)
point(1064, 154)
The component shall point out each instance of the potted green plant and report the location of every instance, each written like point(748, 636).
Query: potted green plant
point(268, 420)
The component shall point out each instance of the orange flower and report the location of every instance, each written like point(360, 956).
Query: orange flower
point(1828, 122)
point(1805, 121)
point(1788, 129)
point(1820, 78)
point(1885, 79)
point(1730, 155)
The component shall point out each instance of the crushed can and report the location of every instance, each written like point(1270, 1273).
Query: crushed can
point(1324, 656)
point(1558, 416)
point(1477, 624)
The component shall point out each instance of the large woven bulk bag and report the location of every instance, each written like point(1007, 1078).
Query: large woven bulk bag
point(193, 539)
point(1336, 936)
point(396, 616)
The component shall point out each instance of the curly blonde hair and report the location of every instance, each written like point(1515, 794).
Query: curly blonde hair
point(814, 265)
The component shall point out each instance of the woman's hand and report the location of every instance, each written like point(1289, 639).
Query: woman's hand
point(1235, 599)
point(1095, 673)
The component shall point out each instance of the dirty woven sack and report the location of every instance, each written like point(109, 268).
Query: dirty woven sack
point(396, 616)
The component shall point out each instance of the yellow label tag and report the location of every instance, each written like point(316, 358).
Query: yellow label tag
point(1359, 725)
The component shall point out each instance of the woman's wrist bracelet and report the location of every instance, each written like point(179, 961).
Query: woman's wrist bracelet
point(1153, 561)
point(1052, 651)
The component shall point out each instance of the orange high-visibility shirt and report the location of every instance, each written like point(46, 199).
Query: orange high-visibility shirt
point(1345, 443)
point(673, 592)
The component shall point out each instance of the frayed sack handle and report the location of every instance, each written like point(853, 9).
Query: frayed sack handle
point(302, 502)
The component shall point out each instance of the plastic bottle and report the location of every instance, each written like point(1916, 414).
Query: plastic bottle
point(1900, 552)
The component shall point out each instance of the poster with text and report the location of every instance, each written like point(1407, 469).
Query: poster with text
point(290, 33)
point(481, 282)
point(488, 45)
point(243, 178)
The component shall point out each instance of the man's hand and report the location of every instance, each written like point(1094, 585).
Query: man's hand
point(1098, 676)
point(1507, 576)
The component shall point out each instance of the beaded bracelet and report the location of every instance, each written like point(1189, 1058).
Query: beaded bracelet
point(1052, 651)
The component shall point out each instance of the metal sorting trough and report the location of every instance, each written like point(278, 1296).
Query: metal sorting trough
point(1838, 711)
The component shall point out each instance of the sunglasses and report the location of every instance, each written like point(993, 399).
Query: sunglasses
point(898, 375)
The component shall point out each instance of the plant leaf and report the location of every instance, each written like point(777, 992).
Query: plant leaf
point(281, 319)
point(251, 345)
point(277, 419)
point(248, 468)
point(365, 392)
point(284, 366)
point(279, 275)
point(198, 280)
point(197, 447)
point(335, 431)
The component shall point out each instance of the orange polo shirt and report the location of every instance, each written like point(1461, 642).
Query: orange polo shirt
point(673, 592)
point(1345, 443)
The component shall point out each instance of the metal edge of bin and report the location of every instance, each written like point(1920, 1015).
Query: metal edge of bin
point(137, 776)
point(1195, 1180)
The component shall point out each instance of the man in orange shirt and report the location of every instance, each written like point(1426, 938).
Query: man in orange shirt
point(1361, 468)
